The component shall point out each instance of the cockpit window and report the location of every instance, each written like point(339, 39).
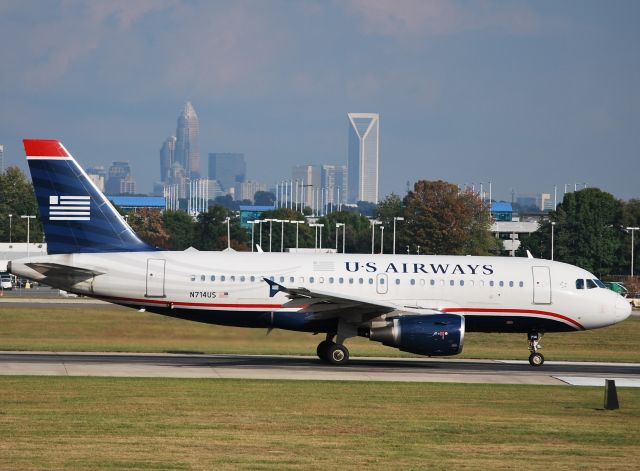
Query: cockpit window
point(580, 283)
point(600, 284)
point(591, 284)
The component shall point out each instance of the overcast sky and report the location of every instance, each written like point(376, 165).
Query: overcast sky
point(525, 94)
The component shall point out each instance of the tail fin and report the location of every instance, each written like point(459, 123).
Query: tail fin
point(75, 214)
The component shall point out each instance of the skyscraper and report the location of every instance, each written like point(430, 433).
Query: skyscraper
point(167, 157)
point(334, 179)
point(311, 177)
point(364, 153)
point(187, 147)
point(120, 172)
point(228, 169)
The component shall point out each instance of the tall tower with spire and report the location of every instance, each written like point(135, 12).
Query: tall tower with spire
point(187, 147)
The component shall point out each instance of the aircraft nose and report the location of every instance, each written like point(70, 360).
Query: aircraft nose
point(623, 308)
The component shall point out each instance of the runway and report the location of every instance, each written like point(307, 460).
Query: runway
point(310, 368)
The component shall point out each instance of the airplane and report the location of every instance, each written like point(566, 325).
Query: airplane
point(421, 304)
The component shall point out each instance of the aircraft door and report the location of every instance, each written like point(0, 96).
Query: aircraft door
point(541, 285)
point(155, 278)
point(382, 282)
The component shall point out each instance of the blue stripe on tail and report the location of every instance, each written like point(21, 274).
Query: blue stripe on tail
point(72, 222)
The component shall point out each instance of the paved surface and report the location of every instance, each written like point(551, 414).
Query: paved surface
point(305, 368)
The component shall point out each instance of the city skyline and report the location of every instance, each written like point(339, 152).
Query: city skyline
point(526, 95)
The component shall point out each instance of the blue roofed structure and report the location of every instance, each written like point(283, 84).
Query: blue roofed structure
point(501, 211)
point(251, 213)
point(129, 203)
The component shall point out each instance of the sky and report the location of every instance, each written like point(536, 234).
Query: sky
point(525, 94)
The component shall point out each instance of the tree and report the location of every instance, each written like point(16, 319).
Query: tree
point(264, 198)
point(357, 231)
point(148, 223)
point(587, 232)
point(441, 219)
point(388, 209)
point(18, 198)
point(210, 232)
point(180, 228)
point(305, 233)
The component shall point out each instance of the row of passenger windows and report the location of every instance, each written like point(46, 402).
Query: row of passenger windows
point(589, 284)
point(360, 281)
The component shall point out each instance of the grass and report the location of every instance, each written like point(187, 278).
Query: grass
point(112, 328)
point(107, 423)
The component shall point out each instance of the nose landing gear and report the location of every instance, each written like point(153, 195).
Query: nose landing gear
point(535, 359)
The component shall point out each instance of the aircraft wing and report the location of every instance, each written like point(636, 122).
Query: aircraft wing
point(328, 305)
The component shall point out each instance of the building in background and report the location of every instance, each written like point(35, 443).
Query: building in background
point(544, 202)
point(309, 178)
point(167, 157)
point(228, 169)
point(364, 156)
point(247, 190)
point(119, 178)
point(335, 180)
point(187, 145)
point(98, 175)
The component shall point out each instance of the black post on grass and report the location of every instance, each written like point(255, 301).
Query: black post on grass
point(610, 395)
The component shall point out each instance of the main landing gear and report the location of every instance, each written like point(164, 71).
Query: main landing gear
point(331, 352)
point(535, 359)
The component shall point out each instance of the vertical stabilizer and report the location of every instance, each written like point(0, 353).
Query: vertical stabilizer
point(76, 216)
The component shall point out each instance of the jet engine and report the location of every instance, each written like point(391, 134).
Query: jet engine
point(432, 335)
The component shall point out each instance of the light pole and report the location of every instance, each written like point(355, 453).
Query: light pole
point(253, 227)
point(28, 218)
point(397, 218)
point(297, 223)
point(373, 234)
point(10, 218)
point(271, 221)
point(321, 226)
point(338, 226)
point(553, 225)
point(260, 238)
point(381, 239)
point(632, 229)
point(282, 221)
point(228, 221)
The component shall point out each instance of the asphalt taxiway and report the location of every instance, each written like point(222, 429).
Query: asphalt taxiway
point(310, 368)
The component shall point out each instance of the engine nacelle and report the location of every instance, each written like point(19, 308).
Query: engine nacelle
point(432, 335)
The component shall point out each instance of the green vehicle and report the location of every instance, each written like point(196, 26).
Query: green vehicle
point(617, 287)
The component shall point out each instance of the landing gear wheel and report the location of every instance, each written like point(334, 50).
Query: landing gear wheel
point(323, 348)
point(536, 359)
point(337, 355)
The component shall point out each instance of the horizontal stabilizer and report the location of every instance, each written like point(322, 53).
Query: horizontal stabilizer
point(58, 270)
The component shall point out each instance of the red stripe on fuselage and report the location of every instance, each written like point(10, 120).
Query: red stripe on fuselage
point(44, 148)
point(183, 303)
point(462, 310)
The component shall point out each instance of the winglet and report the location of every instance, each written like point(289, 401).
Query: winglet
point(274, 288)
point(529, 254)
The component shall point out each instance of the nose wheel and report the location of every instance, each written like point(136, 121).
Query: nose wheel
point(536, 358)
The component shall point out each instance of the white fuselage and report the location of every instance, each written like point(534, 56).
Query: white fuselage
point(496, 292)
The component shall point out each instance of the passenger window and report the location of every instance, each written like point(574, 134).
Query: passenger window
point(580, 283)
point(501, 284)
point(222, 278)
point(370, 281)
point(282, 279)
point(291, 279)
point(213, 277)
point(397, 281)
point(350, 281)
point(232, 278)
point(193, 277)
point(433, 282)
point(341, 280)
point(491, 283)
point(381, 281)
point(242, 278)
point(202, 277)
point(451, 282)
point(413, 282)
point(272, 278)
point(521, 284)
point(511, 284)
point(461, 282)
point(311, 279)
point(360, 280)
point(331, 279)
point(591, 284)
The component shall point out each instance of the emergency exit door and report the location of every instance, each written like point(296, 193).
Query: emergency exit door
point(155, 278)
point(541, 285)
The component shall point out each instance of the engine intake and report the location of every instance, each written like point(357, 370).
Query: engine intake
point(432, 335)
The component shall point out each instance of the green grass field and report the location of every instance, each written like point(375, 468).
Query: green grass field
point(118, 423)
point(111, 328)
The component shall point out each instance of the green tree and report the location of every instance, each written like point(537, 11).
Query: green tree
point(441, 219)
point(388, 209)
point(630, 218)
point(587, 232)
point(18, 198)
point(357, 231)
point(180, 228)
point(305, 233)
point(210, 232)
point(149, 225)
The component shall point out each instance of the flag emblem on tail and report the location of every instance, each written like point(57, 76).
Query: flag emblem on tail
point(69, 208)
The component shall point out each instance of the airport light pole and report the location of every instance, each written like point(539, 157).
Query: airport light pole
point(10, 218)
point(260, 221)
point(228, 221)
point(253, 226)
point(338, 226)
point(553, 225)
point(28, 218)
point(632, 229)
point(315, 228)
point(381, 239)
point(282, 221)
point(297, 223)
point(321, 226)
point(397, 218)
point(271, 221)
point(373, 234)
